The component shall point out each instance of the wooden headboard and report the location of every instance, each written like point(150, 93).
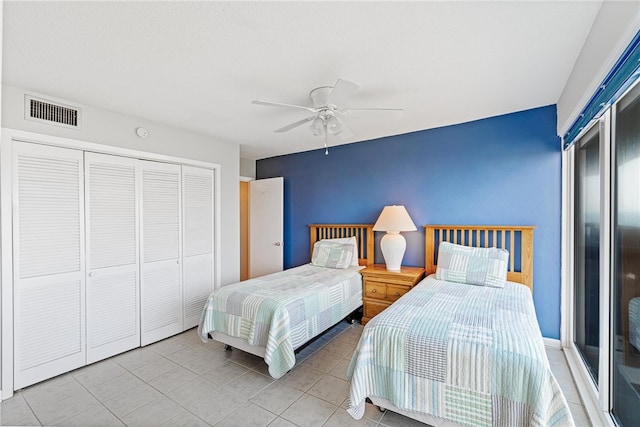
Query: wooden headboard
point(517, 240)
point(362, 232)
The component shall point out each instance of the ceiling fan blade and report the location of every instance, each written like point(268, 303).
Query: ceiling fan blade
point(295, 124)
point(342, 91)
point(389, 113)
point(346, 132)
point(280, 104)
point(373, 109)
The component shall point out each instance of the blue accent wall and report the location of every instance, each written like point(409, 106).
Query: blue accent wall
point(500, 170)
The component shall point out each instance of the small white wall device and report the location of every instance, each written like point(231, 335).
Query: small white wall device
point(142, 132)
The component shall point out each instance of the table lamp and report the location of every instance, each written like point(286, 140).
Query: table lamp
point(393, 220)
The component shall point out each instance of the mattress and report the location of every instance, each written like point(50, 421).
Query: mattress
point(470, 354)
point(284, 310)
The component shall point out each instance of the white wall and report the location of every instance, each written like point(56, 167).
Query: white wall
point(247, 168)
point(613, 29)
point(109, 128)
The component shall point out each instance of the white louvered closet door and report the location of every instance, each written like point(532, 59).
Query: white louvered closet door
point(197, 197)
point(48, 245)
point(113, 297)
point(161, 284)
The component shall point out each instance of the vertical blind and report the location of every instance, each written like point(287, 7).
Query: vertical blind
point(623, 74)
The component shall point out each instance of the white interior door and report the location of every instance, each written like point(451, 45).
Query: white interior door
point(48, 245)
point(266, 218)
point(161, 273)
point(113, 297)
point(197, 197)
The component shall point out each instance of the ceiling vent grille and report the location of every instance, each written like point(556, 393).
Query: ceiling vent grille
point(51, 112)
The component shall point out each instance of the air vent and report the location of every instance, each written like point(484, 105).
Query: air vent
point(53, 113)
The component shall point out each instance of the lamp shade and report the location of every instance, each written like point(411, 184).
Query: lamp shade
point(394, 218)
point(333, 125)
point(317, 125)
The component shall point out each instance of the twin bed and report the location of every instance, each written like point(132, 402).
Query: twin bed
point(446, 353)
point(462, 348)
point(273, 315)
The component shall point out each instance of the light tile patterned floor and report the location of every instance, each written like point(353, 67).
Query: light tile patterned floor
point(183, 382)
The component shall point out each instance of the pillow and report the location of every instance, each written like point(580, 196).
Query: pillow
point(476, 266)
point(349, 241)
point(331, 254)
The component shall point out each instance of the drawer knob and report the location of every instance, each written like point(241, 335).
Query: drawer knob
point(397, 294)
point(374, 291)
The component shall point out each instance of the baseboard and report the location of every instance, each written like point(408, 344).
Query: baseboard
point(552, 343)
point(5, 395)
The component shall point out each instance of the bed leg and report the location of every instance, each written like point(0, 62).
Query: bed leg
point(228, 347)
point(351, 319)
point(354, 316)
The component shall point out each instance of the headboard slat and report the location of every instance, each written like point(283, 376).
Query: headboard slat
point(512, 246)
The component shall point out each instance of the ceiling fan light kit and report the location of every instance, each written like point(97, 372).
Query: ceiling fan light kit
point(333, 125)
point(328, 116)
point(317, 125)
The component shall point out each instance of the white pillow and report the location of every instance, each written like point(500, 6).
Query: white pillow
point(348, 241)
point(331, 254)
point(475, 266)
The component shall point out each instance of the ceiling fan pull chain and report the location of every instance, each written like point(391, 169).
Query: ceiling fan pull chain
point(326, 150)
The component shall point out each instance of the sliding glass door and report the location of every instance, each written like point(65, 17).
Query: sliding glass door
point(604, 339)
point(625, 309)
point(587, 251)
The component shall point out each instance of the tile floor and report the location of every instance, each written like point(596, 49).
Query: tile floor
point(183, 382)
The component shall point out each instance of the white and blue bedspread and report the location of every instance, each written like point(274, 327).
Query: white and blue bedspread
point(284, 310)
point(469, 354)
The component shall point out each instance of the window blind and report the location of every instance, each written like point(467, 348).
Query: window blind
point(623, 74)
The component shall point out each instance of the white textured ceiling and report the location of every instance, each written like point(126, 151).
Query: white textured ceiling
point(198, 65)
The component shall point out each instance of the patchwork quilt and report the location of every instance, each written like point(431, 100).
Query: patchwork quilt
point(284, 310)
point(469, 354)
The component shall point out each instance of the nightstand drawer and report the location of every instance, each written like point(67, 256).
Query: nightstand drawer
point(372, 308)
point(381, 288)
point(375, 290)
point(394, 292)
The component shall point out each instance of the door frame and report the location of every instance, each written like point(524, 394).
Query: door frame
point(595, 402)
point(6, 213)
point(244, 229)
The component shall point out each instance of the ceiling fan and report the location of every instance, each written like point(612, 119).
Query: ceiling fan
point(328, 110)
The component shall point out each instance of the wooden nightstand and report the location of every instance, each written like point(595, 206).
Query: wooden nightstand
point(380, 288)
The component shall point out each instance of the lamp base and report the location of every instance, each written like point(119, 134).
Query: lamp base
point(393, 246)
